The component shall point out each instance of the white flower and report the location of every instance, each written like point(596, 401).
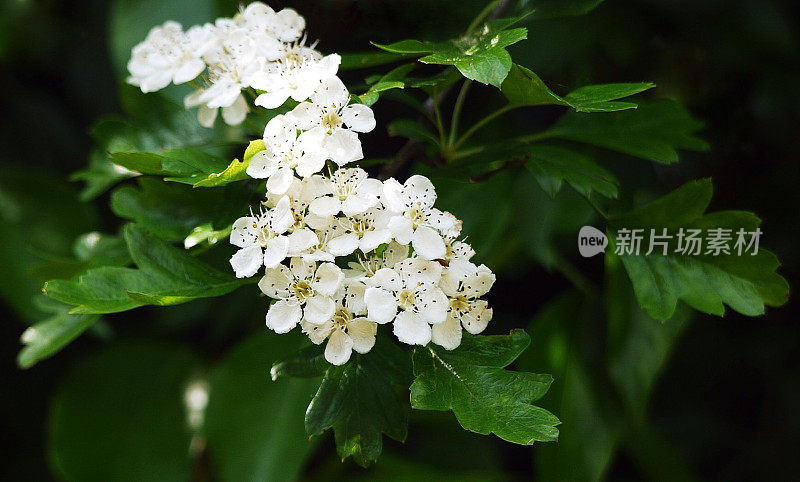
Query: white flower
point(365, 231)
point(454, 248)
point(285, 154)
point(347, 329)
point(464, 283)
point(304, 292)
point(417, 221)
point(233, 114)
point(411, 287)
point(169, 55)
point(264, 23)
point(296, 74)
point(262, 239)
point(330, 113)
point(349, 191)
point(371, 262)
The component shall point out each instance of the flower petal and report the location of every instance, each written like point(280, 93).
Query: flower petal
point(331, 94)
point(275, 251)
point(428, 243)
point(343, 146)
point(283, 316)
point(305, 116)
point(416, 271)
point(447, 334)
point(328, 279)
point(317, 333)
point(362, 332)
point(343, 245)
point(234, 114)
point(280, 182)
point(247, 261)
point(358, 204)
point(358, 117)
point(262, 165)
point(372, 239)
point(301, 240)
point(339, 348)
point(419, 190)
point(410, 329)
point(478, 317)
point(325, 206)
point(381, 305)
point(402, 229)
point(319, 309)
point(276, 282)
point(244, 232)
point(281, 216)
point(431, 304)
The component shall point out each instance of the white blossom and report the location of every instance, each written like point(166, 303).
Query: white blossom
point(330, 112)
point(304, 292)
point(463, 283)
point(262, 239)
point(169, 54)
point(297, 74)
point(348, 191)
point(416, 220)
point(347, 330)
point(285, 154)
point(408, 295)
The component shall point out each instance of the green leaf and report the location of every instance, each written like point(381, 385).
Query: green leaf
point(119, 415)
point(254, 427)
point(485, 398)
point(480, 56)
point(705, 282)
point(48, 337)
point(165, 276)
point(186, 166)
point(236, 170)
point(359, 400)
point(597, 98)
point(412, 129)
point(654, 131)
point(551, 165)
point(523, 87)
point(154, 124)
point(363, 60)
point(173, 211)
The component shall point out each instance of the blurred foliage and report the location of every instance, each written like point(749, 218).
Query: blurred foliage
point(708, 398)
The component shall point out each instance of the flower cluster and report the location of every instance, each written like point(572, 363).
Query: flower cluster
point(404, 263)
point(341, 252)
point(258, 48)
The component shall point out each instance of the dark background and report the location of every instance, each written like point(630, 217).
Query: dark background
point(725, 405)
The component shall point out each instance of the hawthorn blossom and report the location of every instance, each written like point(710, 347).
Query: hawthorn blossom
point(365, 231)
point(297, 74)
point(265, 24)
point(463, 283)
point(330, 112)
point(454, 248)
point(285, 154)
point(233, 114)
point(262, 239)
point(168, 54)
point(409, 296)
point(348, 191)
point(304, 292)
point(347, 330)
point(371, 262)
point(416, 221)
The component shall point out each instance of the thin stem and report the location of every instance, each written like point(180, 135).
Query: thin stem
point(439, 124)
point(462, 94)
point(482, 15)
point(482, 123)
